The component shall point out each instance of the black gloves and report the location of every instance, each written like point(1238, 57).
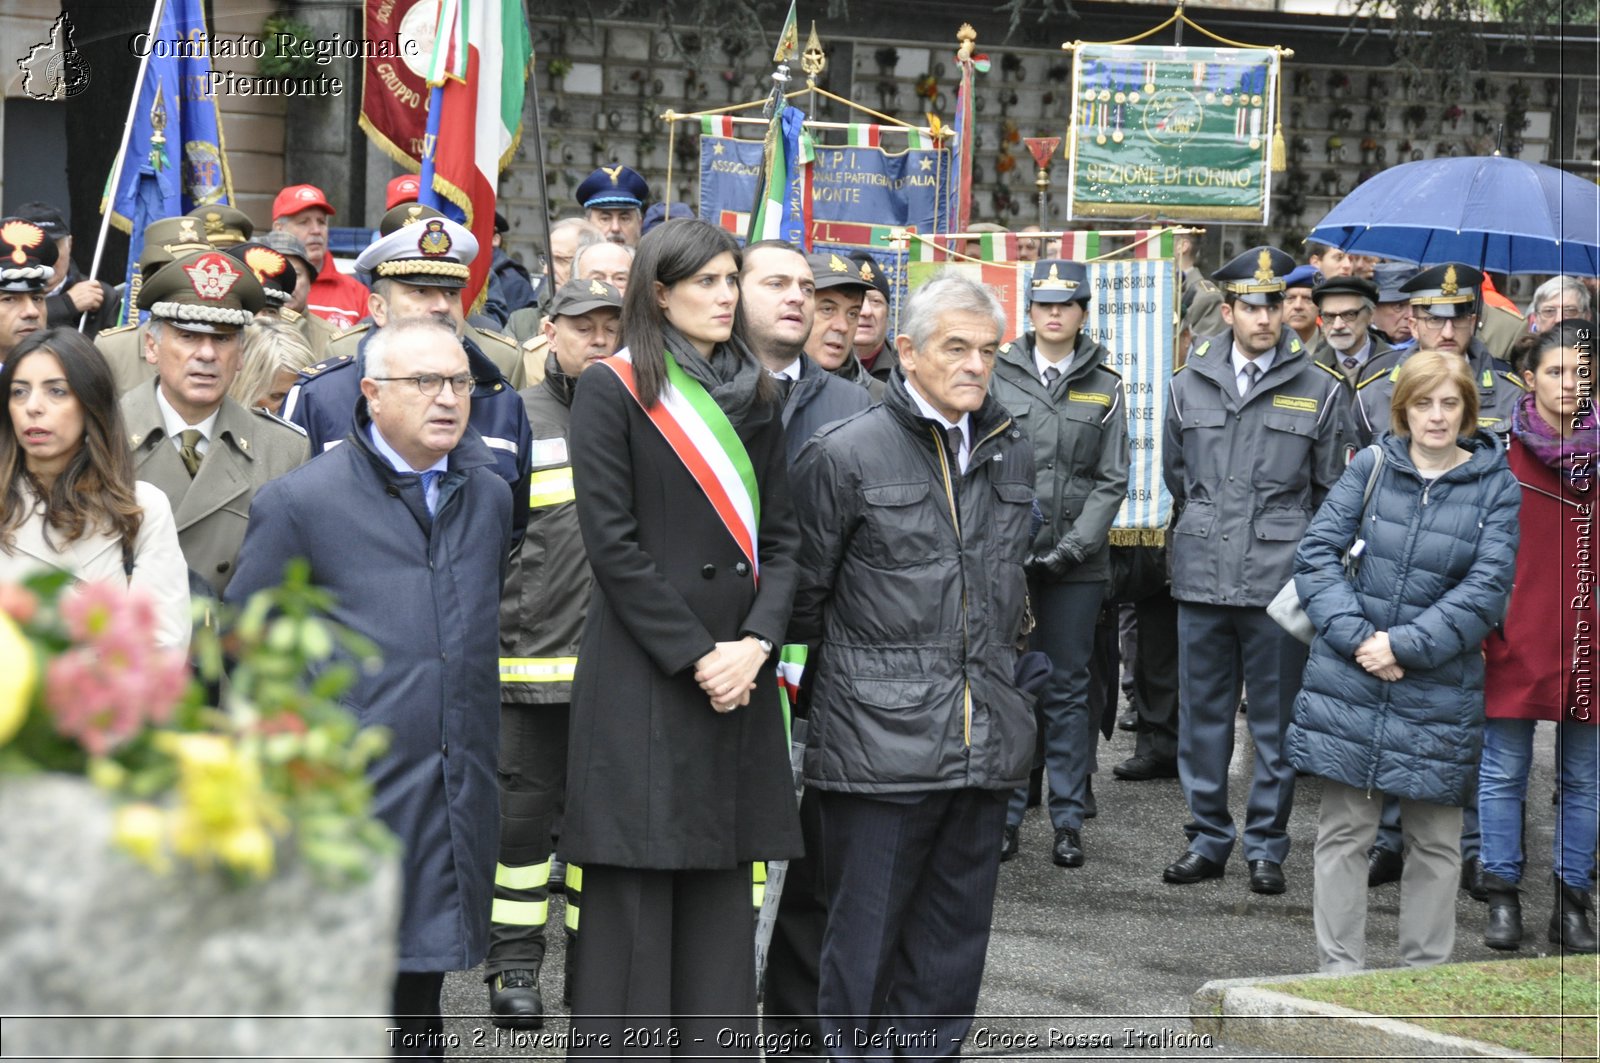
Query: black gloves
point(1056, 562)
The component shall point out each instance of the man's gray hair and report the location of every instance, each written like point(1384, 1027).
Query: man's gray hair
point(588, 232)
point(1555, 288)
point(380, 344)
point(947, 291)
point(583, 251)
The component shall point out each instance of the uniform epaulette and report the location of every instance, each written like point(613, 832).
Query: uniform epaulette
point(269, 415)
point(352, 330)
point(326, 364)
point(498, 337)
point(1379, 375)
point(1295, 346)
point(535, 342)
point(1208, 286)
point(114, 331)
point(1200, 351)
point(291, 316)
point(1513, 378)
point(1330, 370)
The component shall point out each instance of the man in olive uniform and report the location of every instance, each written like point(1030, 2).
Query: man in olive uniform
point(123, 347)
point(225, 226)
point(1444, 308)
point(541, 620)
point(498, 348)
point(205, 451)
point(1250, 450)
point(598, 260)
point(27, 259)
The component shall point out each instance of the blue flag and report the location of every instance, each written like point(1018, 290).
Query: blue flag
point(175, 159)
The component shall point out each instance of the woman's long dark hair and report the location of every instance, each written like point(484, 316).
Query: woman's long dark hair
point(669, 253)
point(95, 491)
point(1574, 333)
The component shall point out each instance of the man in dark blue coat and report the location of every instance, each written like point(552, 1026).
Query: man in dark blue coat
point(409, 527)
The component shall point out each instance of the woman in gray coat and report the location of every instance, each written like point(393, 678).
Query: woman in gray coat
point(1392, 701)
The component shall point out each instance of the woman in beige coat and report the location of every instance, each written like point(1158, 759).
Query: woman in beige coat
point(68, 499)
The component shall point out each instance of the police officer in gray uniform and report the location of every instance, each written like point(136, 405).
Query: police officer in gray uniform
point(1444, 304)
point(1062, 394)
point(1250, 450)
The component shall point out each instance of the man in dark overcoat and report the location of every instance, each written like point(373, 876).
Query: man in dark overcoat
point(409, 526)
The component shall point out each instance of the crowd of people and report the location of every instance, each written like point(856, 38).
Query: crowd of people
point(671, 505)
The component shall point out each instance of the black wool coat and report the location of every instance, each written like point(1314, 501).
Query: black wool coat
point(656, 778)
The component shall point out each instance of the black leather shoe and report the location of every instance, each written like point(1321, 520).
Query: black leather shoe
point(558, 875)
point(1503, 929)
point(1569, 919)
point(1383, 865)
point(1145, 767)
point(1008, 844)
point(1069, 848)
point(1266, 877)
point(514, 1001)
point(1191, 868)
point(1472, 879)
point(1128, 720)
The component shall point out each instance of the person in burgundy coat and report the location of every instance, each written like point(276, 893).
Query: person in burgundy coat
point(1541, 668)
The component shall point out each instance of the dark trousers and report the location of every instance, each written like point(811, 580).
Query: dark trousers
point(419, 1026)
point(789, 1004)
point(1066, 614)
point(533, 777)
point(1155, 677)
point(911, 882)
point(1217, 644)
point(666, 964)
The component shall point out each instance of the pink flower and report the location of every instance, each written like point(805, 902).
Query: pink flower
point(19, 603)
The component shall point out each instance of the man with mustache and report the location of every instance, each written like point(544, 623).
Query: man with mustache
point(303, 211)
point(1250, 450)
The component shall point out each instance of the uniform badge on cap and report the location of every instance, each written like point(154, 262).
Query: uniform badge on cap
point(433, 241)
point(1264, 266)
point(212, 276)
point(1054, 281)
point(1450, 285)
point(597, 288)
point(264, 262)
point(187, 233)
point(866, 272)
point(837, 264)
point(23, 236)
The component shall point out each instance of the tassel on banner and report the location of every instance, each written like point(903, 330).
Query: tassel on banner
point(1137, 537)
point(1278, 160)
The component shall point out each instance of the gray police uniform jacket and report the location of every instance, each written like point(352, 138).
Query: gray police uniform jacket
point(546, 597)
point(1079, 430)
point(1246, 472)
point(1498, 392)
point(247, 449)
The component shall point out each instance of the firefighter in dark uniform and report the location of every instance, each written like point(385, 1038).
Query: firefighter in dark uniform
point(541, 622)
point(1444, 308)
point(123, 347)
point(418, 271)
point(1250, 450)
point(1059, 390)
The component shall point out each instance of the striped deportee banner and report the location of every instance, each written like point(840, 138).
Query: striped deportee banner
point(702, 437)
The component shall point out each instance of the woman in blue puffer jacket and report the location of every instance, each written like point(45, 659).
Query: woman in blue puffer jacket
point(1392, 701)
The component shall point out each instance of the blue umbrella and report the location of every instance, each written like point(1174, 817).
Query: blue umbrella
point(1485, 211)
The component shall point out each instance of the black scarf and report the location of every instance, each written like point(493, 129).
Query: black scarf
point(731, 376)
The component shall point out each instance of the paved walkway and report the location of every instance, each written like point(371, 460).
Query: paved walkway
point(1101, 961)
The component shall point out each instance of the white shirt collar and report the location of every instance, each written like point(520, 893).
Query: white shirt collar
point(965, 423)
point(788, 372)
point(1263, 362)
point(399, 464)
point(174, 423)
point(1041, 363)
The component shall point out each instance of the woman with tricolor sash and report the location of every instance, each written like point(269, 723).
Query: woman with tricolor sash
point(678, 770)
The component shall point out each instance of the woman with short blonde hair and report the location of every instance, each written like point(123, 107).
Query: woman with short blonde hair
point(273, 355)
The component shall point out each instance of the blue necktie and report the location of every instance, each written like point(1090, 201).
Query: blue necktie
point(430, 489)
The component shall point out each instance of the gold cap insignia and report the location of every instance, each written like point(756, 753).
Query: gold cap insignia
point(186, 231)
point(1450, 285)
point(1054, 281)
point(212, 276)
point(597, 288)
point(1264, 266)
point(22, 236)
point(434, 241)
point(612, 172)
point(837, 264)
point(264, 262)
point(413, 214)
point(866, 271)
point(213, 222)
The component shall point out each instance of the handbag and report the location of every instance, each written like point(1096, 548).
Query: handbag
point(1285, 608)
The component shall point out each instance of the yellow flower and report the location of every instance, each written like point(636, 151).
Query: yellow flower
point(139, 830)
point(224, 811)
point(248, 850)
point(18, 673)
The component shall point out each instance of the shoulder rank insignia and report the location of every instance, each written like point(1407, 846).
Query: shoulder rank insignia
point(327, 364)
point(269, 415)
point(1512, 377)
point(1330, 370)
point(1200, 351)
point(1294, 345)
point(352, 330)
point(119, 328)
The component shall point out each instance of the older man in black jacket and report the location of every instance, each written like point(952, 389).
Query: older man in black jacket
point(916, 520)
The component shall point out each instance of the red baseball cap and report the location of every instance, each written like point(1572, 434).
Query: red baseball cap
point(295, 198)
point(407, 188)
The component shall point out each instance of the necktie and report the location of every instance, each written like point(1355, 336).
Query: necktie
point(1051, 375)
point(953, 439)
point(1350, 366)
point(785, 385)
point(430, 490)
point(1251, 372)
point(190, 450)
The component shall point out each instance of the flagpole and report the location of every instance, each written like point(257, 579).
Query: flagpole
point(122, 151)
point(544, 192)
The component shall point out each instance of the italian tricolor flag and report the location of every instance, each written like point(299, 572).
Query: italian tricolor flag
point(861, 135)
point(1080, 247)
point(479, 71)
point(716, 125)
point(1153, 243)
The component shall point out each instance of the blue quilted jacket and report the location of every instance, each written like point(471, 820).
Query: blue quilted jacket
point(1436, 575)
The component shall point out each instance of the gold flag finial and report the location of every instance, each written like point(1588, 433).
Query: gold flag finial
point(968, 38)
point(813, 61)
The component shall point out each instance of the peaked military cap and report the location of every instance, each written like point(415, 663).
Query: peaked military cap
point(225, 226)
point(871, 272)
point(203, 292)
point(1390, 277)
point(27, 256)
point(1449, 290)
point(613, 186)
point(834, 270)
point(1302, 277)
point(403, 214)
point(168, 238)
point(579, 296)
point(1256, 277)
point(1059, 280)
point(432, 253)
point(1351, 285)
point(271, 267)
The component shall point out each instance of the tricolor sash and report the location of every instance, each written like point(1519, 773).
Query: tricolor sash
point(703, 438)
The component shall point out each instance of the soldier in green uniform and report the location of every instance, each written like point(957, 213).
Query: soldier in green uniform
point(123, 347)
point(225, 226)
point(206, 452)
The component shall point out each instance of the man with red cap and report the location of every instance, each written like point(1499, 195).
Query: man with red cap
point(303, 212)
point(407, 188)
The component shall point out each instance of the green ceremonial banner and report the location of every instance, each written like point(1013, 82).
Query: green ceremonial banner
point(1178, 133)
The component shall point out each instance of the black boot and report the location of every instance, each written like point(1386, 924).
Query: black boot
point(514, 1000)
point(1569, 919)
point(1504, 929)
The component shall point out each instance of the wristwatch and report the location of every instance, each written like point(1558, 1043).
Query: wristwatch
point(766, 647)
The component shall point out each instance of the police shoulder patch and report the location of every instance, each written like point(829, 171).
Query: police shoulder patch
point(269, 415)
point(1295, 346)
point(336, 362)
point(1005, 348)
point(1200, 351)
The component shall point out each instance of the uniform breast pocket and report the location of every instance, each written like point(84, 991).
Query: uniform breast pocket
point(1204, 448)
point(1284, 457)
point(903, 527)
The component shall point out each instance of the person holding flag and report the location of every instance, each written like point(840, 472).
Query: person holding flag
point(678, 769)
